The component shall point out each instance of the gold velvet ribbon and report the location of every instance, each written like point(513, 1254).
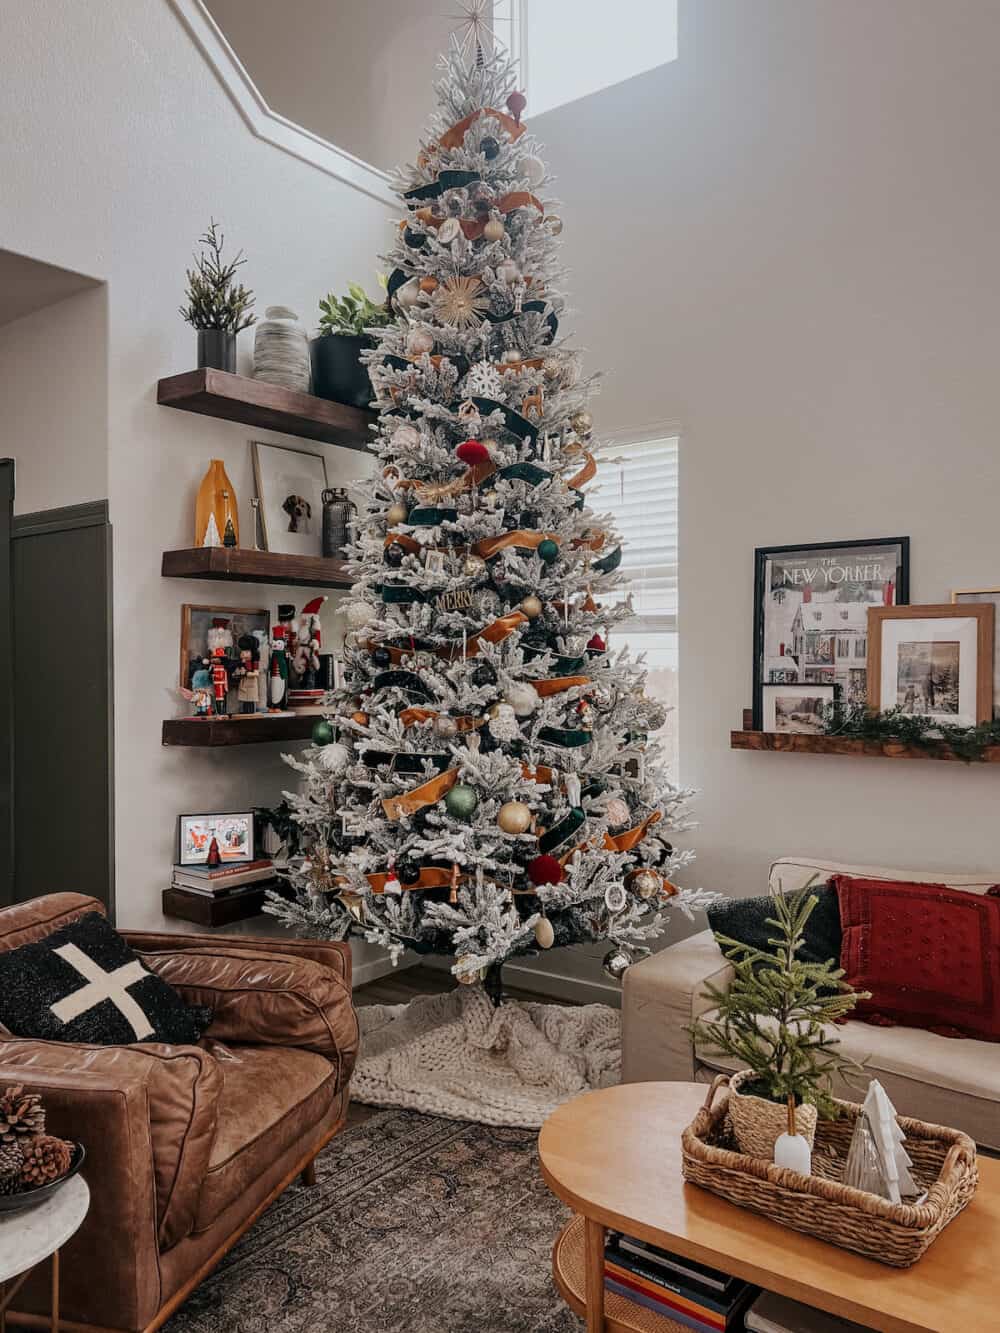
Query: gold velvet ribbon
point(624, 842)
point(556, 684)
point(431, 877)
point(455, 136)
point(489, 546)
point(410, 717)
point(586, 473)
point(428, 793)
point(493, 633)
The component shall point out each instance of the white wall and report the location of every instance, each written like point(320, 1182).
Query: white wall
point(786, 241)
point(356, 72)
point(59, 440)
point(111, 165)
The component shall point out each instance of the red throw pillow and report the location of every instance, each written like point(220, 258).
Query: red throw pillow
point(930, 955)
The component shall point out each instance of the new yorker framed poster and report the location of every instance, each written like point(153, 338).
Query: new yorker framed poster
point(810, 612)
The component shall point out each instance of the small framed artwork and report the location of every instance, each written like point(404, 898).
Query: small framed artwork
point(991, 595)
point(810, 612)
point(233, 831)
point(290, 484)
point(202, 627)
point(932, 661)
point(434, 562)
point(798, 709)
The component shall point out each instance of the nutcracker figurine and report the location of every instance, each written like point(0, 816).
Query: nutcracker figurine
point(248, 673)
point(220, 680)
point(286, 621)
point(279, 670)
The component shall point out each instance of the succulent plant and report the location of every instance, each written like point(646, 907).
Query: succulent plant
point(353, 313)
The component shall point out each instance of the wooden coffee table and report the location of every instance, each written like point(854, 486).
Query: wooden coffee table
point(614, 1157)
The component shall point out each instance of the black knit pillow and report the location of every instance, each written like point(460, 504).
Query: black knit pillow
point(84, 984)
point(745, 920)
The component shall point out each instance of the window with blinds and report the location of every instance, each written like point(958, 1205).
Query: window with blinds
point(638, 486)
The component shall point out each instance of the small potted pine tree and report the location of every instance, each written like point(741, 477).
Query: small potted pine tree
point(217, 305)
point(338, 372)
point(774, 1018)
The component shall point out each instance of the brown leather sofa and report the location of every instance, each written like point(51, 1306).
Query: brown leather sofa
point(186, 1145)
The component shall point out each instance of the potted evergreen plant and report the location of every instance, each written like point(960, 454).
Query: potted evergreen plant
point(774, 1018)
point(338, 372)
point(217, 305)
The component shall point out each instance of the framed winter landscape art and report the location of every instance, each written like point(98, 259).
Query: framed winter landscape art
point(932, 661)
point(810, 612)
point(991, 595)
point(290, 485)
point(798, 709)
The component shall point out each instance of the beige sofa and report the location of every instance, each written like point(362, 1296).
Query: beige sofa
point(948, 1081)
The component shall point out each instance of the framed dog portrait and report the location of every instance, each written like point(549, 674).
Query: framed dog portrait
point(290, 484)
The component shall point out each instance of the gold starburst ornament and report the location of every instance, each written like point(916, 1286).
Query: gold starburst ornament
point(461, 302)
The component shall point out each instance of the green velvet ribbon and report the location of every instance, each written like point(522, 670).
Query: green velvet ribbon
point(559, 833)
point(529, 472)
point(404, 763)
point(566, 737)
point(399, 596)
point(608, 562)
point(403, 680)
point(430, 517)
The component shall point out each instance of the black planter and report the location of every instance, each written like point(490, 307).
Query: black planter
point(217, 350)
point(337, 371)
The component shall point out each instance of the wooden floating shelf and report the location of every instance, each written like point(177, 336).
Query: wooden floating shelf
point(792, 743)
point(237, 565)
point(216, 393)
point(214, 731)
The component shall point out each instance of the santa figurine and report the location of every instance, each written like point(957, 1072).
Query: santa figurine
point(309, 640)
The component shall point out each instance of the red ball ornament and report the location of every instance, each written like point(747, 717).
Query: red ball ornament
point(545, 870)
point(516, 103)
point(472, 452)
point(596, 644)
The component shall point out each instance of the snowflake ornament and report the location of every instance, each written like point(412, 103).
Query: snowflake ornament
point(483, 381)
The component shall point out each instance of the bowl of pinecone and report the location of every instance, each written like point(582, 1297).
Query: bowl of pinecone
point(33, 1164)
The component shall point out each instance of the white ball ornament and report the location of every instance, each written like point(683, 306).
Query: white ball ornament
point(508, 272)
point(405, 437)
point(531, 606)
point(545, 936)
point(408, 294)
point(523, 698)
point(449, 230)
point(334, 758)
point(617, 812)
point(359, 614)
point(419, 341)
point(531, 169)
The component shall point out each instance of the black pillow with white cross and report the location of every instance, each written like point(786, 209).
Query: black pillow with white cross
point(84, 984)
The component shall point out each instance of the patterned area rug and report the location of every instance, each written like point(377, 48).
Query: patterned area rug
point(416, 1225)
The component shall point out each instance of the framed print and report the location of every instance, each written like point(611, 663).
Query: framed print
point(991, 595)
point(233, 831)
point(810, 612)
point(290, 484)
point(204, 626)
point(434, 562)
point(932, 661)
point(798, 709)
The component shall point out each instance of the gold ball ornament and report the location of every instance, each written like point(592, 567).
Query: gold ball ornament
point(646, 883)
point(531, 606)
point(396, 513)
point(494, 230)
point(552, 224)
point(531, 169)
point(473, 565)
point(545, 936)
point(514, 817)
point(552, 367)
point(428, 285)
point(582, 422)
point(470, 978)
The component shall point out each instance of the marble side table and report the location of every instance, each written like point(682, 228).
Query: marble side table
point(30, 1236)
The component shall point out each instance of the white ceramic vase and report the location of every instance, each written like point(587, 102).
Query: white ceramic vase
point(281, 349)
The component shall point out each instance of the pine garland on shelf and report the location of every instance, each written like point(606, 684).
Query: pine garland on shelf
point(857, 722)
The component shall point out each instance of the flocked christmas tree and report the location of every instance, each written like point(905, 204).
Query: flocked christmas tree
point(492, 788)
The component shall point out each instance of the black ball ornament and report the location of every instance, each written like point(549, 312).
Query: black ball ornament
point(382, 658)
point(407, 871)
point(484, 675)
point(394, 554)
point(528, 519)
point(416, 240)
point(489, 147)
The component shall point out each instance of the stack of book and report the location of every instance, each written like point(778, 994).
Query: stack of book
point(218, 881)
point(691, 1293)
point(779, 1314)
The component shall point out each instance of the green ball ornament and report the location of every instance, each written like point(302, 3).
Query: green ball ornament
point(322, 732)
point(461, 801)
point(548, 550)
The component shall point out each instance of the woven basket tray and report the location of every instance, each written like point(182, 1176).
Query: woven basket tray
point(944, 1164)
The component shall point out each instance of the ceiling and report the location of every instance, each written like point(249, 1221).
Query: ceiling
point(27, 285)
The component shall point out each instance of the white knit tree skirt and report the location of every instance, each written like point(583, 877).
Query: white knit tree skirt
point(456, 1055)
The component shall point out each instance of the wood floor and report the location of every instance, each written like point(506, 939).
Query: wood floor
point(401, 988)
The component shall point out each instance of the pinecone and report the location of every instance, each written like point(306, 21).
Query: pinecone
point(46, 1158)
point(21, 1113)
point(11, 1161)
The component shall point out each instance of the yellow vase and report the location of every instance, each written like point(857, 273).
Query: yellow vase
point(216, 508)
